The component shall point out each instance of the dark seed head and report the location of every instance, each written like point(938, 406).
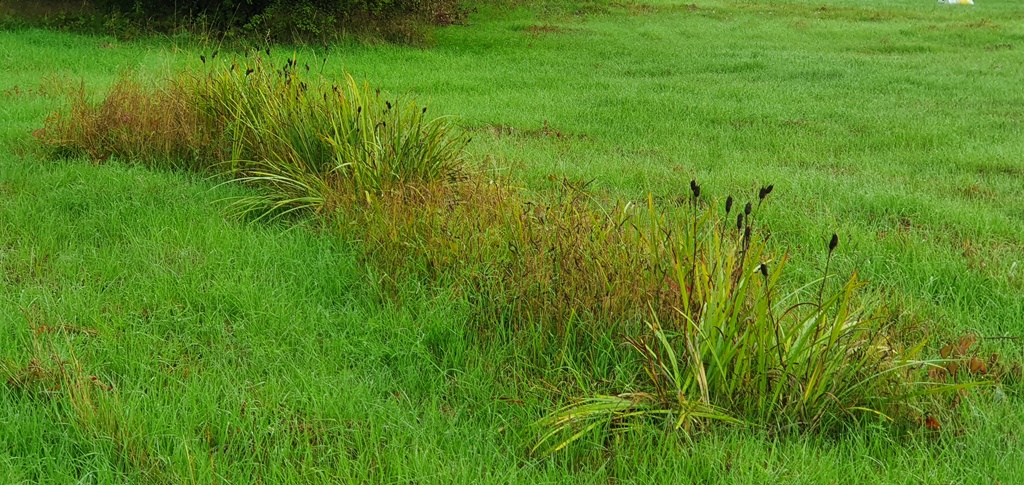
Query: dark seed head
point(739, 221)
point(249, 71)
point(746, 233)
point(424, 110)
point(307, 67)
point(764, 270)
point(833, 243)
point(748, 208)
point(202, 58)
point(388, 103)
point(728, 205)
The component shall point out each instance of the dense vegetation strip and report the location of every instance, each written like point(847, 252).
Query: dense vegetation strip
point(689, 284)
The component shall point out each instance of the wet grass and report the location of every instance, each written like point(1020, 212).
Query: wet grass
point(148, 338)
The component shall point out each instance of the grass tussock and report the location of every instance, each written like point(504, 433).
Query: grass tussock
point(266, 126)
point(691, 286)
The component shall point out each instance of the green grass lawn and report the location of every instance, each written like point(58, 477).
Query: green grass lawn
point(226, 351)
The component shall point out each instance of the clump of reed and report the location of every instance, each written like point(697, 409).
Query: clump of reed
point(690, 285)
point(290, 133)
point(739, 346)
point(304, 139)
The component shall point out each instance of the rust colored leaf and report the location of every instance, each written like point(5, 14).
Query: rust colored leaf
point(978, 366)
point(960, 348)
point(965, 344)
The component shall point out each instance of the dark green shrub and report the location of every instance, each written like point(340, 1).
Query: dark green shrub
point(236, 10)
point(279, 20)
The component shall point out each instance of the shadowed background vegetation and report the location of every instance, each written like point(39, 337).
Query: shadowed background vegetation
point(246, 20)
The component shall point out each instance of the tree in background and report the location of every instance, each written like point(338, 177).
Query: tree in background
point(281, 20)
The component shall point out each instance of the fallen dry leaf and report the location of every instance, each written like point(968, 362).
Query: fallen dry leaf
point(960, 348)
point(978, 366)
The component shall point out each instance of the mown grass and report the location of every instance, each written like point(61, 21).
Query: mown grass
point(460, 413)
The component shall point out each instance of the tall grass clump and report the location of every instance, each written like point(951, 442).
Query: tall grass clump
point(733, 343)
point(299, 139)
point(159, 125)
point(309, 142)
